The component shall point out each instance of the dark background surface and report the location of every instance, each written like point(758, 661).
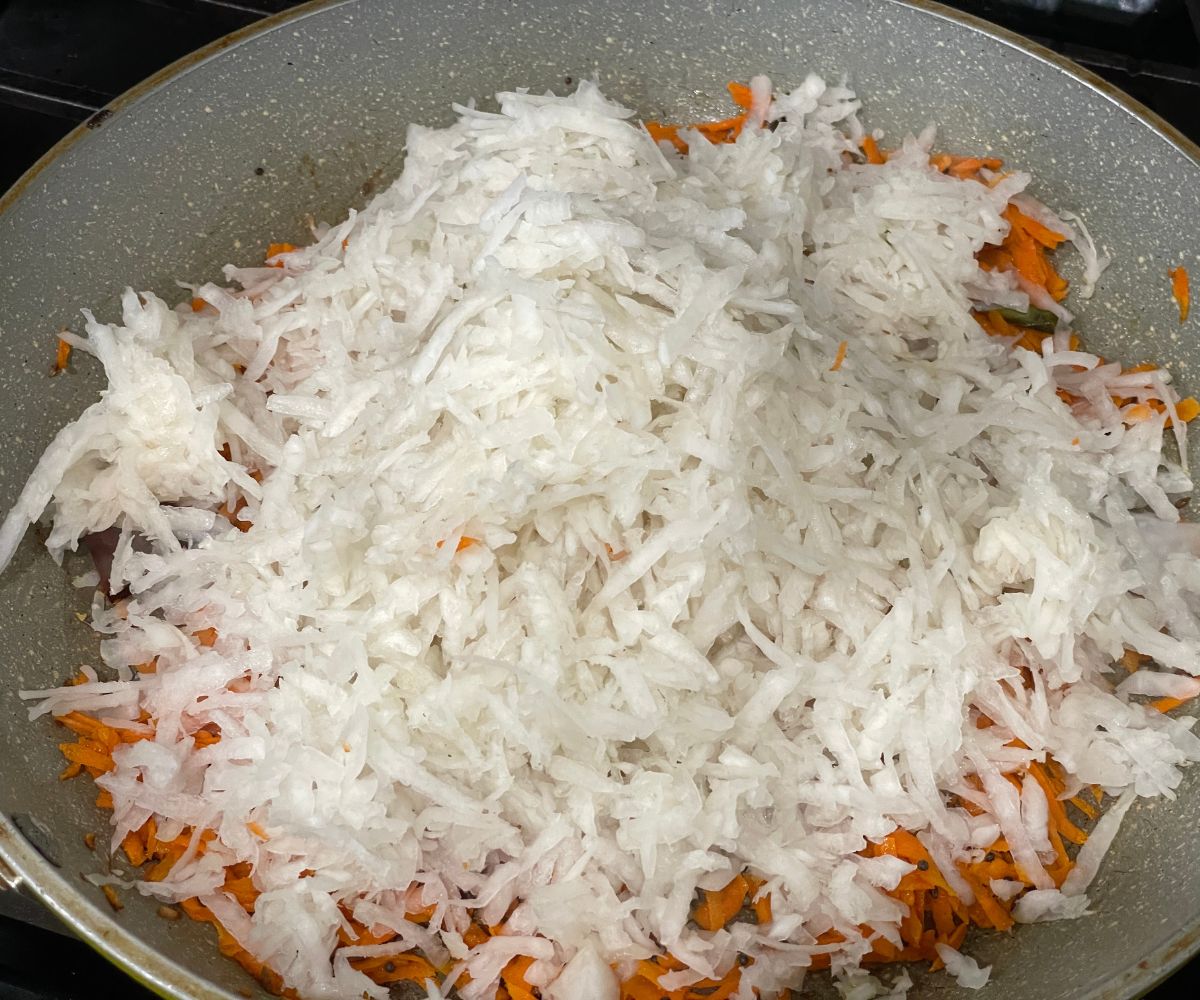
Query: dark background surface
point(63, 60)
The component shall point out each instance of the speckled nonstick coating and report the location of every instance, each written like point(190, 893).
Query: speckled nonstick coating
point(304, 115)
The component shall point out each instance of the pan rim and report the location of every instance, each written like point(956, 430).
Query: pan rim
point(171, 980)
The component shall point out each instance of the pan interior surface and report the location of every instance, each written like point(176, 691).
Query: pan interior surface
point(307, 118)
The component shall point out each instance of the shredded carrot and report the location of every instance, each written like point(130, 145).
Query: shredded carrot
point(134, 848)
point(275, 249)
point(465, 542)
point(1085, 807)
point(1137, 413)
point(475, 935)
point(1132, 660)
point(257, 830)
point(964, 167)
point(724, 130)
point(720, 906)
point(87, 756)
point(740, 93)
point(233, 514)
point(206, 637)
point(840, 357)
point(62, 357)
point(1188, 409)
point(1165, 705)
point(357, 935)
point(870, 149)
point(1180, 291)
point(666, 133)
point(422, 916)
point(401, 967)
point(198, 305)
point(1024, 250)
point(613, 554)
point(113, 899)
point(969, 166)
point(205, 738)
point(513, 977)
point(89, 841)
point(762, 904)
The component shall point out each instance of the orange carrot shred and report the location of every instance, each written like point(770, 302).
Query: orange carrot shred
point(87, 757)
point(871, 150)
point(475, 935)
point(666, 133)
point(113, 899)
point(840, 357)
point(275, 249)
point(1180, 291)
point(513, 977)
point(724, 130)
point(207, 637)
point(62, 357)
point(1188, 409)
point(1085, 807)
point(740, 94)
point(1131, 660)
point(134, 849)
point(722, 905)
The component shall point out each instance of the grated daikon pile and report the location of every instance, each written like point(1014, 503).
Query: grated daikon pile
point(582, 574)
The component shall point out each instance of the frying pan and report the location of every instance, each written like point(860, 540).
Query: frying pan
point(303, 116)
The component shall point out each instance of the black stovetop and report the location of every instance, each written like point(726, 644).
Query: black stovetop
point(62, 60)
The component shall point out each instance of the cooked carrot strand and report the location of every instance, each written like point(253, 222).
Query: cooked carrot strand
point(1131, 660)
point(840, 356)
point(62, 357)
point(724, 130)
point(206, 637)
point(721, 905)
point(1180, 291)
point(86, 756)
point(275, 249)
point(1188, 409)
point(1137, 413)
point(513, 977)
point(870, 149)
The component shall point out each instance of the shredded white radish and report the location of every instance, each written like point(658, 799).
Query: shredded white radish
point(619, 521)
point(1087, 862)
point(963, 968)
